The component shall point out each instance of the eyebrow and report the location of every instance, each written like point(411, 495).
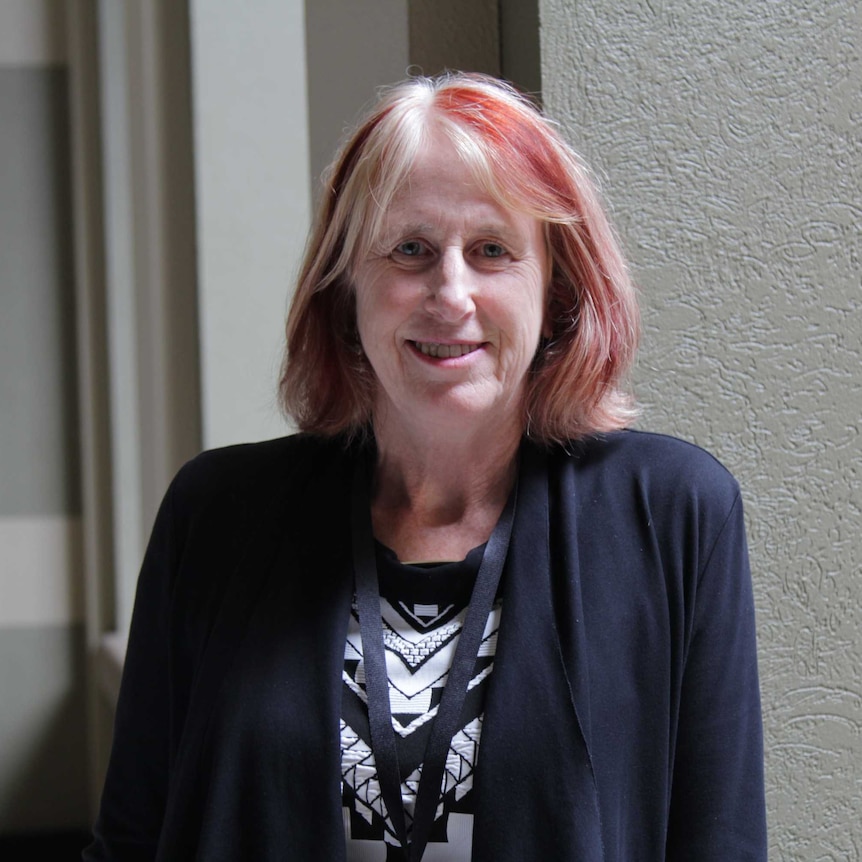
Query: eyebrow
point(499, 230)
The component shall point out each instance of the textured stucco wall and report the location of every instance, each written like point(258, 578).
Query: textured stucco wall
point(727, 136)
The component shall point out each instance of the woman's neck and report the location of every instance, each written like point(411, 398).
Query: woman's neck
point(435, 499)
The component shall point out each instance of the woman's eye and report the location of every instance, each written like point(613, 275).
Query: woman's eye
point(409, 248)
point(493, 249)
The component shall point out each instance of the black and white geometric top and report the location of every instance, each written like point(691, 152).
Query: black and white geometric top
point(423, 608)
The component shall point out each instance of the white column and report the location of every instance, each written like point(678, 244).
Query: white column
point(253, 203)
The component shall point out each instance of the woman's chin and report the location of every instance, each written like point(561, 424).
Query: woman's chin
point(453, 411)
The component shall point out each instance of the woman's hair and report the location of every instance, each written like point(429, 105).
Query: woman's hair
point(577, 383)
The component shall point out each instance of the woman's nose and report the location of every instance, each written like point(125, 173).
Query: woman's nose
point(450, 287)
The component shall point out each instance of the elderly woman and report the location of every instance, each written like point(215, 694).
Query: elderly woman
point(463, 615)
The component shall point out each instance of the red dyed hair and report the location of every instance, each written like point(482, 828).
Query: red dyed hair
point(577, 384)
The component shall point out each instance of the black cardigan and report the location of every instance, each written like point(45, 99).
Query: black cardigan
point(622, 722)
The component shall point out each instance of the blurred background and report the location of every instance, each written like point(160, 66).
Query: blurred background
point(158, 164)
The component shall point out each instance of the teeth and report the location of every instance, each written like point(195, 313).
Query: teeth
point(445, 351)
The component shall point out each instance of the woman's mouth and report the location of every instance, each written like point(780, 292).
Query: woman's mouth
point(444, 351)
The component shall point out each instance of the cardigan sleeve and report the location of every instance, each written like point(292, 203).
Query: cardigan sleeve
point(216, 537)
point(717, 809)
point(135, 790)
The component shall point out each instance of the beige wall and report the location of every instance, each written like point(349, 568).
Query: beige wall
point(727, 135)
point(42, 704)
point(351, 49)
point(251, 164)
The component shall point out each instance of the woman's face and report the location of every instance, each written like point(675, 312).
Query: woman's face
point(451, 303)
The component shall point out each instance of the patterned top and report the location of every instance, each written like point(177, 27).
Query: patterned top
point(423, 608)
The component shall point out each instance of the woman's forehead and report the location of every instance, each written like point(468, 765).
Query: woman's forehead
point(442, 172)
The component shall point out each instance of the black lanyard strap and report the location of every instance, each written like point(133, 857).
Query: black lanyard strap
point(446, 721)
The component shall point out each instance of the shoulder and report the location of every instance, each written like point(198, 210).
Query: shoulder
point(246, 462)
point(645, 451)
point(657, 468)
point(224, 499)
point(258, 471)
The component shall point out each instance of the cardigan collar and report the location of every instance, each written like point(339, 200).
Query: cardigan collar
point(536, 791)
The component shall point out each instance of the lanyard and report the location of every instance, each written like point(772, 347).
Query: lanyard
point(446, 721)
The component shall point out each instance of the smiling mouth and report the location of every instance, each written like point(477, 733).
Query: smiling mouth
point(444, 351)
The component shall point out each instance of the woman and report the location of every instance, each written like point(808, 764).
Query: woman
point(464, 615)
